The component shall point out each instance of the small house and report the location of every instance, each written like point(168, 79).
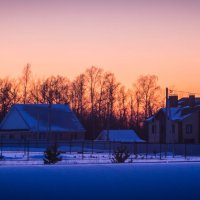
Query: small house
point(119, 136)
point(41, 121)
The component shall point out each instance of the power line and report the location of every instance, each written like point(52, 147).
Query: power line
point(186, 92)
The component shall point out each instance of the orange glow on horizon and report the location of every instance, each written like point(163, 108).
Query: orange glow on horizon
point(128, 38)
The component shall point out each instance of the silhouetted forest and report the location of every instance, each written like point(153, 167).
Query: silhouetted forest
point(97, 98)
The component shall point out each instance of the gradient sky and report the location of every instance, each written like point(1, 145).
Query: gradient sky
point(126, 37)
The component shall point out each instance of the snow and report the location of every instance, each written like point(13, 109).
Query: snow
point(174, 113)
point(77, 152)
point(111, 181)
point(75, 155)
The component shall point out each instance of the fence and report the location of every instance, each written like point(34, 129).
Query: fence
point(72, 152)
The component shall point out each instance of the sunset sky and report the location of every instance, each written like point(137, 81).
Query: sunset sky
point(126, 37)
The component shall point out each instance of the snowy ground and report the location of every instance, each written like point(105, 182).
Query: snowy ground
point(98, 153)
point(110, 181)
point(36, 158)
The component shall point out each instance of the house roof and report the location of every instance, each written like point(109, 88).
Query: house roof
point(119, 136)
point(41, 118)
point(178, 113)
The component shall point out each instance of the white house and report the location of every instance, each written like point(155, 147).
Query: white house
point(119, 136)
point(41, 121)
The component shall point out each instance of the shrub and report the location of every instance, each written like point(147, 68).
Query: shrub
point(1, 157)
point(52, 155)
point(121, 154)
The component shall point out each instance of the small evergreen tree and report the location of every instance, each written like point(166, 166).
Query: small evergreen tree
point(121, 154)
point(52, 155)
point(1, 157)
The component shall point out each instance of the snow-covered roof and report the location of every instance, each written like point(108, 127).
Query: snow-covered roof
point(119, 136)
point(41, 118)
point(178, 113)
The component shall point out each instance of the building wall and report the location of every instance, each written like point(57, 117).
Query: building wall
point(192, 137)
point(174, 133)
point(154, 137)
point(13, 135)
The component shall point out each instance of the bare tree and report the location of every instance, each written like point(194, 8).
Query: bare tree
point(55, 90)
point(25, 82)
point(93, 77)
point(122, 107)
point(130, 108)
point(78, 92)
point(148, 93)
point(35, 95)
point(111, 87)
point(15, 91)
point(8, 95)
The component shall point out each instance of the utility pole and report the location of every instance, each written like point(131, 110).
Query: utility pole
point(108, 120)
point(167, 117)
point(169, 137)
point(49, 123)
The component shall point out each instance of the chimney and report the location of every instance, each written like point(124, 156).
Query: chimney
point(173, 101)
point(192, 101)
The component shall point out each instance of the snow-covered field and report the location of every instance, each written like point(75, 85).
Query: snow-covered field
point(110, 181)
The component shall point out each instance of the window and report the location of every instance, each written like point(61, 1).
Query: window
point(188, 128)
point(153, 129)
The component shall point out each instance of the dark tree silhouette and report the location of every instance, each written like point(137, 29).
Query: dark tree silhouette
point(148, 93)
point(52, 155)
point(121, 154)
point(96, 97)
point(26, 77)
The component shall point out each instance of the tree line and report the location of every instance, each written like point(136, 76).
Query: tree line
point(96, 97)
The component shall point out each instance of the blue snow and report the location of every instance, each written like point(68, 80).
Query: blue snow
point(111, 181)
